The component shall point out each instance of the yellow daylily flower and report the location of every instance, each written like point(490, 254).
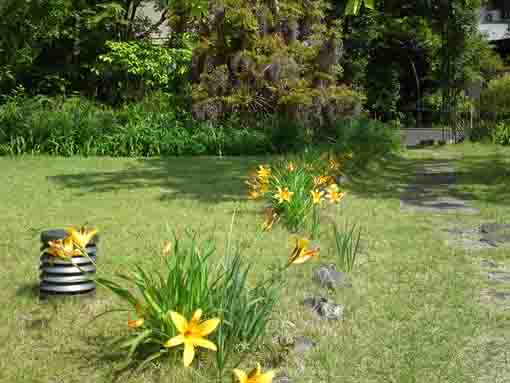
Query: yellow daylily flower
point(283, 194)
point(264, 172)
point(63, 248)
point(81, 237)
point(254, 376)
point(191, 334)
point(263, 188)
point(301, 253)
point(333, 187)
point(316, 196)
point(334, 164)
point(136, 323)
point(253, 194)
point(335, 195)
point(321, 180)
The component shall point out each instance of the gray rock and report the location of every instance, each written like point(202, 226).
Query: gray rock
point(303, 344)
point(496, 239)
point(488, 263)
point(470, 244)
point(436, 205)
point(314, 302)
point(501, 295)
point(461, 232)
point(331, 311)
point(325, 308)
point(499, 277)
point(328, 276)
point(493, 227)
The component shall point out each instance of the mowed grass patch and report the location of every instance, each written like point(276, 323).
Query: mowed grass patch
point(411, 312)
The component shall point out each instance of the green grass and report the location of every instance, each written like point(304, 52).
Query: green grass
point(412, 316)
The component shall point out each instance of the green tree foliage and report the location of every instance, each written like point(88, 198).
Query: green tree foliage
point(271, 56)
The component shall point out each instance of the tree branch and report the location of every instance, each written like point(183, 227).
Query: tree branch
point(154, 27)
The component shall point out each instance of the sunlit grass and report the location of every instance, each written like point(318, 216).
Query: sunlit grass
point(409, 316)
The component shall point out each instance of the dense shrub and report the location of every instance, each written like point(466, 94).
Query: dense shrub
point(501, 133)
point(495, 99)
point(161, 125)
point(368, 139)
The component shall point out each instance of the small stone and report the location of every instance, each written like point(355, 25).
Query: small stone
point(331, 311)
point(496, 239)
point(492, 227)
point(499, 277)
point(314, 302)
point(489, 263)
point(324, 308)
point(303, 344)
point(501, 295)
point(328, 276)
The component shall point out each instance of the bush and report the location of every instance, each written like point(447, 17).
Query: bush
point(501, 133)
point(368, 139)
point(158, 126)
point(495, 99)
point(482, 130)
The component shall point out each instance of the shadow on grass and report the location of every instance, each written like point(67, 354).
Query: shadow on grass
point(28, 290)
point(206, 179)
point(479, 176)
point(100, 357)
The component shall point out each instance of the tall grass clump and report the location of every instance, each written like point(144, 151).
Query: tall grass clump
point(346, 246)
point(187, 283)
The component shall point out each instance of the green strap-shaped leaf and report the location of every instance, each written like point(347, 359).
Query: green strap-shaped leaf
point(369, 4)
point(352, 7)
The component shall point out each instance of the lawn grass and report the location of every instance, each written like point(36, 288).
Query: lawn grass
point(412, 315)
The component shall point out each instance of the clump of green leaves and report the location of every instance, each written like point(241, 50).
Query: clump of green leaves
point(295, 186)
point(346, 246)
point(184, 281)
point(501, 133)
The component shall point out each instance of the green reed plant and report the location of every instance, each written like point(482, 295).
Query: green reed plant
point(346, 246)
point(185, 282)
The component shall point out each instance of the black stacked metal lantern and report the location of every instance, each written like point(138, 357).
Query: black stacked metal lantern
point(59, 277)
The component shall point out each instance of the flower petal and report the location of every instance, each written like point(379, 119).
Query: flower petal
point(202, 342)
point(196, 316)
point(181, 324)
point(175, 341)
point(266, 378)
point(189, 353)
point(135, 323)
point(207, 327)
point(240, 375)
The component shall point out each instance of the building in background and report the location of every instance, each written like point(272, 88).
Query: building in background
point(494, 20)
